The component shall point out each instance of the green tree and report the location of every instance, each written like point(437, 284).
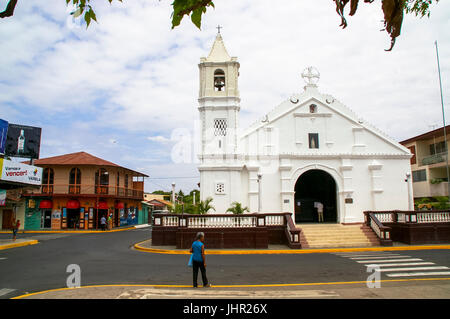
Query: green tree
point(237, 209)
point(205, 206)
point(393, 10)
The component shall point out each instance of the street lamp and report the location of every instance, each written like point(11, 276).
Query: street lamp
point(259, 193)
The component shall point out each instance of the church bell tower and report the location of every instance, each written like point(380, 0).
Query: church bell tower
point(219, 100)
point(219, 104)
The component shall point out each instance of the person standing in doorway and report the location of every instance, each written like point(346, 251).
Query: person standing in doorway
point(198, 259)
point(319, 207)
point(103, 222)
point(15, 228)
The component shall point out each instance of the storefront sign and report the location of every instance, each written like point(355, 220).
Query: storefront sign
point(2, 197)
point(3, 134)
point(23, 141)
point(20, 173)
point(31, 203)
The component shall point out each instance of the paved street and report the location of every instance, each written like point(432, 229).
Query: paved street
point(108, 259)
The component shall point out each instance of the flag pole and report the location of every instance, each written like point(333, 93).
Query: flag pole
point(443, 120)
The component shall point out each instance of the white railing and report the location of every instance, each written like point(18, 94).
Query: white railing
point(401, 218)
point(221, 222)
point(384, 217)
point(441, 217)
point(272, 220)
point(376, 228)
point(170, 220)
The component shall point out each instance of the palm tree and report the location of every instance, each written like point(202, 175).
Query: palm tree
point(237, 209)
point(204, 206)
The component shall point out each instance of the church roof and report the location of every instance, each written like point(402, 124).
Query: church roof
point(218, 51)
point(309, 94)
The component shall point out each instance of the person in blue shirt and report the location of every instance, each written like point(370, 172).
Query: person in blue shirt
point(198, 259)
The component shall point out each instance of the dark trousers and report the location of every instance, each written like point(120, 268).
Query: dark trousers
point(195, 266)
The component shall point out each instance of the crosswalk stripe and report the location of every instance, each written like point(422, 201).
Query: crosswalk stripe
point(402, 264)
point(415, 274)
point(413, 268)
point(388, 260)
point(6, 291)
point(373, 255)
point(387, 257)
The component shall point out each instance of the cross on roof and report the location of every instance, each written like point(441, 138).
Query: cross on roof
point(218, 28)
point(311, 75)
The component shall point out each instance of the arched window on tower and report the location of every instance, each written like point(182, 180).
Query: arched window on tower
point(219, 80)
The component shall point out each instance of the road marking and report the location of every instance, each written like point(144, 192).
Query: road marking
point(364, 282)
point(371, 255)
point(387, 261)
point(6, 291)
point(402, 264)
point(414, 274)
point(3, 258)
point(381, 257)
point(413, 268)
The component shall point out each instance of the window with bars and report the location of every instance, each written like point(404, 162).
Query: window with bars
point(220, 127)
point(220, 188)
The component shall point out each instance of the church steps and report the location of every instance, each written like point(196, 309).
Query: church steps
point(337, 235)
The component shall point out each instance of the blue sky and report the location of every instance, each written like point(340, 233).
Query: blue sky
point(119, 89)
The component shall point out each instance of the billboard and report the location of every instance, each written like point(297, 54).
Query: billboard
point(20, 173)
point(23, 141)
point(3, 133)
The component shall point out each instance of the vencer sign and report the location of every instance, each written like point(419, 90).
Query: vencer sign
point(20, 173)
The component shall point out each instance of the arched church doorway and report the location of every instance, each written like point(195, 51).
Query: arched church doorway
point(313, 187)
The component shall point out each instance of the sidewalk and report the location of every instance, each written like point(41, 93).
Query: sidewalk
point(9, 243)
point(146, 246)
point(391, 289)
point(75, 231)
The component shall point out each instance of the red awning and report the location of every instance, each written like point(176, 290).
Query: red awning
point(73, 204)
point(120, 205)
point(102, 205)
point(46, 204)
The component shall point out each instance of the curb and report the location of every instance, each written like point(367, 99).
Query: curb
point(27, 243)
point(232, 286)
point(137, 246)
point(68, 231)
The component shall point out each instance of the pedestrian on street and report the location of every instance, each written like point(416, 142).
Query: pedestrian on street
point(15, 228)
point(103, 222)
point(198, 259)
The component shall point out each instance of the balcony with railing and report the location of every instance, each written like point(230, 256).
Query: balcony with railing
point(434, 159)
point(87, 190)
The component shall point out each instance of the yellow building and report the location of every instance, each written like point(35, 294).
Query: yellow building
point(428, 164)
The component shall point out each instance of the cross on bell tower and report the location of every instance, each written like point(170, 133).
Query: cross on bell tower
point(218, 28)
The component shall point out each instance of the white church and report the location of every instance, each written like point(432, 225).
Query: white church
point(309, 149)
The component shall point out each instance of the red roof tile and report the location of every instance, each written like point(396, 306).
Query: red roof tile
point(79, 158)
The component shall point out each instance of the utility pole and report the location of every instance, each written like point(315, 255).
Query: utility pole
point(443, 120)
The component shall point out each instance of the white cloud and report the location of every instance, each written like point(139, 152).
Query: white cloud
point(159, 139)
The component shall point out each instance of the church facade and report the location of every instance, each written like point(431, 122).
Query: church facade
point(310, 151)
